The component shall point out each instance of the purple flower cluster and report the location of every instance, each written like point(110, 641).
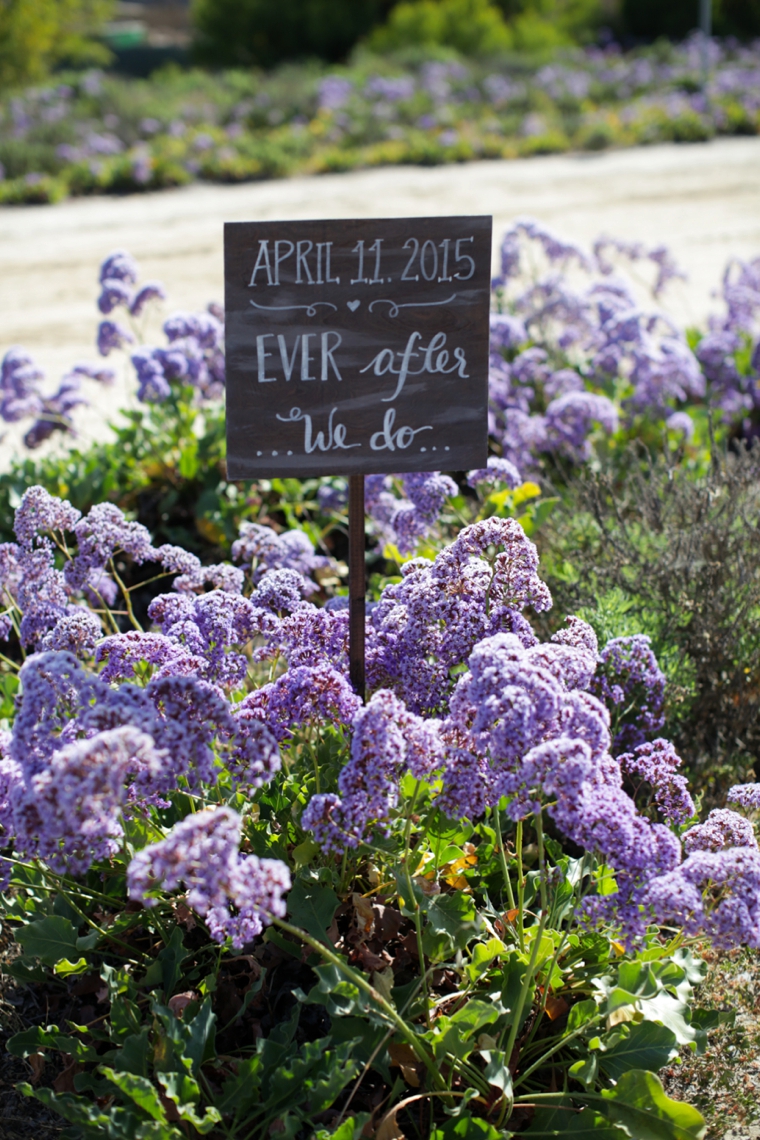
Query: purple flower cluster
point(632, 685)
point(387, 740)
point(304, 694)
point(69, 811)
point(734, 388)
point(716, 893)
point(722, 828)
point(542, 405)
point(654, 764)
point(263, 549)
point(83, 751)
point(194, 354)
point(401, 519)
point(20, 395)
point(236, 895)
point(428, 623)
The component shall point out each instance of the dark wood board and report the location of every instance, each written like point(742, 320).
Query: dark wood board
point(356, 346)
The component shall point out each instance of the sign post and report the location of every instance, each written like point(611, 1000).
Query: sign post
point(356, 347)
point(357, 583)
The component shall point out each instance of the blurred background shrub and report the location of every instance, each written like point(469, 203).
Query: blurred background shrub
point(37, 35)
point(263, 32)
point(648, 19)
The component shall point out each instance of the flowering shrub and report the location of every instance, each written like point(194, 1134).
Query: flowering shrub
point(578, 367)
point(292, 906)
point(92, 133)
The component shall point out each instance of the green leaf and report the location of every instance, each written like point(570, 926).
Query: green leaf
point(351, 1128)
point(483, 954)
point(138, 1089)
point(171, 958)
point(49, 939)
point(581, 1013)
point(188, 460)
point(32, 1040)
point(639, 1104)
point(305, 852)
point(451, 922)
point(561, 1121)
point(645, 1045)
point(466, 1127)
point(133, 1055)
point(65, 967)
point(313, 907)
point(586, 1070)
point(673, 1013)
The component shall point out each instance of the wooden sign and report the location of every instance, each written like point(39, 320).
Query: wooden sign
point(356, 347)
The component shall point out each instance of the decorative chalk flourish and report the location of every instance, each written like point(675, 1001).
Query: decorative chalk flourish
point(394, 307)
point(311, 310)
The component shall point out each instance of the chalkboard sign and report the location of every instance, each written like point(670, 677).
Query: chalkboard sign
point(356, 346)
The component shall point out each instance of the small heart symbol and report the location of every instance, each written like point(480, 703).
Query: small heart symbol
point(353, 305)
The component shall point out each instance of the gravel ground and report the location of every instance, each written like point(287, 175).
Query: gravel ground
point(724, 1083)
point(703, 200)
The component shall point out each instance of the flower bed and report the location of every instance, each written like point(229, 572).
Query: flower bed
point(92, 133)
point(249, 903)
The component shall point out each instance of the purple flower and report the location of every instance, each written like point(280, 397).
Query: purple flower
point(151, 291)
point(202, 852)
point(112, 335)
point(681, 422)
point(403, 520)
point(114, 292)
point(497, 471)
point(102, 533)
point(722, 828)
point(41, 513)
point(153, 385)
point(77, 631)
point(123, 653)
point(69, 812)
point(630, 680)
point(655, 764)
point(507, 331)
point(267, 550)
point(301, 695)
point(745, 795)
point(19, 386)
point(98, 372)
point(387, 739)
point(713, 892)
point(119, 266)
point(570, 419)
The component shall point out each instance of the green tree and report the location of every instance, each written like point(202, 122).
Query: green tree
point(263, 32)
point(35, 35)
point(474, 27)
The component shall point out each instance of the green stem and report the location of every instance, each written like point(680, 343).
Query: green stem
point(103, 933)
point(544, 999)
point(503, 859)
point(413, 903)
point(559, 1044)
point(520, 885)
point(524, 989)
point(518, 1011)
point(335, 960)
point(127, 598)
point(541, 862)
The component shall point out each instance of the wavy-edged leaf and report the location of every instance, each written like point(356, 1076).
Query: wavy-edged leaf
point(639, 1104)
point(642, 1045)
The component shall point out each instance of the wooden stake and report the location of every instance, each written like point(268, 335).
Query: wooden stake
point(357, 582)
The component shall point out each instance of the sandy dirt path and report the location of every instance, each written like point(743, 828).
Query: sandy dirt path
point(702, 200)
